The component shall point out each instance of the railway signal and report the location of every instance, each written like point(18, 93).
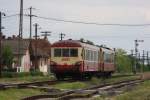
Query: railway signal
point(136, 53)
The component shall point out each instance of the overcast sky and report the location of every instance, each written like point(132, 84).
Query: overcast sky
point(99, 11)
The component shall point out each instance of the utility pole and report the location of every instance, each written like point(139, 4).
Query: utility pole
point(139, 62)
point(21, 20)
point(136, 53)
point(115, 58)
point(62, 35)
point(31, 15)
point(1, 42)
point(46, 34)
point(20, 32)
point(148, 59)
point(132, 58)
point(36, 37)
point(143, 61)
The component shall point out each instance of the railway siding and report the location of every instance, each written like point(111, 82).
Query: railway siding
point(145, 75)
point(88, 92)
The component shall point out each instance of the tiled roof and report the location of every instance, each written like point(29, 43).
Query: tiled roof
point(43, 47)
point(18, 47)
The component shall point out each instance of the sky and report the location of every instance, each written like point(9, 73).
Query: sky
point(96, 11)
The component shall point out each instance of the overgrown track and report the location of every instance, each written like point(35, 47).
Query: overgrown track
point(85, 93)
point(24, 85)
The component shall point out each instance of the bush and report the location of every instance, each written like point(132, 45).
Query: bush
point(9, 74)
point(9, 70)
point(22, 74)
point(36, 73)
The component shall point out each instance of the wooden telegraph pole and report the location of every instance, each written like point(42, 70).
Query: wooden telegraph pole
point(36, 38)
point(46, 34)
point(62, 35)
point(1, 42)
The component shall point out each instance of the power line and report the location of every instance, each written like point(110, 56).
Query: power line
point(83, 22)
point(13, 15)
point(94, 23)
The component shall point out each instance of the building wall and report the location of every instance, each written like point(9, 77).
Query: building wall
point(43, 65)
point(25, 62)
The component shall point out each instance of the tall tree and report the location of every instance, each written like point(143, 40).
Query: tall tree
point(123, 61)
point(7, 56)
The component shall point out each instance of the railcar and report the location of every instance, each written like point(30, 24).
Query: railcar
point(72, 58)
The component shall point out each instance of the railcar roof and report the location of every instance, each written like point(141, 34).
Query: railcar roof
point(77, 43)
point(107, 50)
point(67, 43)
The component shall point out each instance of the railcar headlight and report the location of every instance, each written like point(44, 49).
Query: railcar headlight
point(53, 63)
point(78, 63)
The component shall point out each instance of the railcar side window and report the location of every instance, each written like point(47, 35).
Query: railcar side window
point(112, 57)
point(57, 52)
point(107, 57)
point(65, 52)
point(92, 55)
point(73, 52)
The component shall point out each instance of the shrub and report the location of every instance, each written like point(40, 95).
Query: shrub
point(9, 74)
point(36, 73)
point(21, 74)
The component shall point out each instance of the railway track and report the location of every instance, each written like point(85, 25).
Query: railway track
point(20, 85)
point(31, 84)
point(85, 93)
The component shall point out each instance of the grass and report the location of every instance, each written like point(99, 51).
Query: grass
point(141, 92)
point(93, 81)
point(72, 85)
point(25, 79)
point(17, 94)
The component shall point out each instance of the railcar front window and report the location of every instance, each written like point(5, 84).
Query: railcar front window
point(73, 52)
point(57, 52)
point(65, 52)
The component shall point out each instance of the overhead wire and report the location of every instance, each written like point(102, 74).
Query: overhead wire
point(83, 22)
point(94, 23)
point(13, 15)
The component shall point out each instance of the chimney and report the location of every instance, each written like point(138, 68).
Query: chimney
point(9, 38)
point(3, 37)
point(13, 37)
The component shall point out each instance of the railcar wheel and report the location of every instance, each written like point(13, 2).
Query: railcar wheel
point(59, 77)
point(109, 74)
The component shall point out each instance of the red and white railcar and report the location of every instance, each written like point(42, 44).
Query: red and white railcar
point(77, 59)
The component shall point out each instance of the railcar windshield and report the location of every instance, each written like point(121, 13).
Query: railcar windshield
point(66, 52)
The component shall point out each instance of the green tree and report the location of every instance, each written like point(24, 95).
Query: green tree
point(7, 56)
point(123, 61)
